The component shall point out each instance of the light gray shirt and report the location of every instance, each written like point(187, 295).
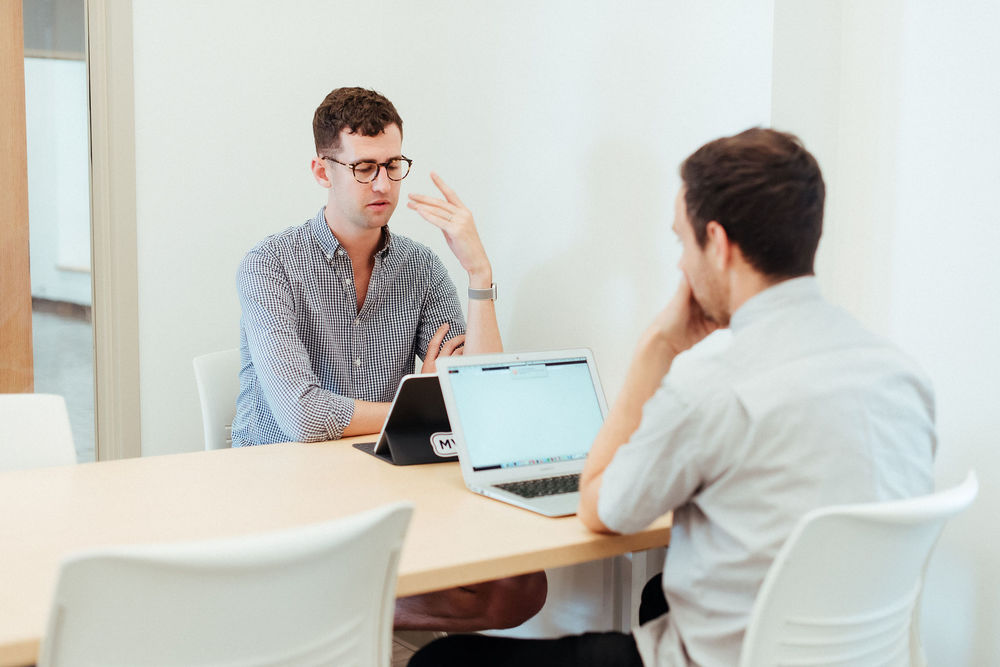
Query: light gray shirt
point(803, 409)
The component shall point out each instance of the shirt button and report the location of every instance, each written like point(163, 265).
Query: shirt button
point(357, 361)
point(347, 282)
point(340, 252)
point(357, 321)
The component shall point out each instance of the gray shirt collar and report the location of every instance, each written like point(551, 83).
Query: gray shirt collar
point(783, 294)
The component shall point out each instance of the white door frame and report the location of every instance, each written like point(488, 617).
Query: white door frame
point(113, 215)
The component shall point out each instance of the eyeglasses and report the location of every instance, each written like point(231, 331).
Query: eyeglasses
point(366, 171)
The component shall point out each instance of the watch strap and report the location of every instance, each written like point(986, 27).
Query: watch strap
point(486, 294)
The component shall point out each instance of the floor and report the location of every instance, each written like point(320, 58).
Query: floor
point(64, 364)
point(406, 642)
point(401, 653)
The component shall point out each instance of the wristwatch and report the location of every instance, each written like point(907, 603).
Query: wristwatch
point(488, 294)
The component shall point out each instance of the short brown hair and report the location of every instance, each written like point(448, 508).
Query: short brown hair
point(357, 110)
point(767, 192)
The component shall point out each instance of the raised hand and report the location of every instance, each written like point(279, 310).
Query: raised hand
point(455, 221)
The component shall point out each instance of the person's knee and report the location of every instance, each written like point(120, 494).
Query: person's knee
point(507, 603)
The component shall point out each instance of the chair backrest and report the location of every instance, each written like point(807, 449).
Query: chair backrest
point(321, 594)
point(844, 587)
point(34, 432)
point(218, 378)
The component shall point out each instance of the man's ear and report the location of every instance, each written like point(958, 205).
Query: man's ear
point(318, 168)
point(717, 246)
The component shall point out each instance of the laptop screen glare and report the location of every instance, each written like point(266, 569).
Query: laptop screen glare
point(526, 413)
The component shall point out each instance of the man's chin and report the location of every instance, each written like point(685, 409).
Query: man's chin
point(721, 321)
point(379, 218)
point(717, 316)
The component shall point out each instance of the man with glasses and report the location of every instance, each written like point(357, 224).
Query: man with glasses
point(336, 309)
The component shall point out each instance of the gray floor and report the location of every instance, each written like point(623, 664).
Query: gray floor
point(406, 642)
point(64, 365)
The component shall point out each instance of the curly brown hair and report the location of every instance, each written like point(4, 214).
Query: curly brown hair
point(357, 110)
point(767, 192)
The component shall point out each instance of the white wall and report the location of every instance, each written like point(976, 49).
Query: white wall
point(902, 102)
point(898, 100)
point(561, 124)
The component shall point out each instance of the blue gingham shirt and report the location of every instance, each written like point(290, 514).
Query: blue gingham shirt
point(307, 353)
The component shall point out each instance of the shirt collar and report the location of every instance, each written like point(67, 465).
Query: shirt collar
point(786, 293)
point(329, 243)
point(387, 244)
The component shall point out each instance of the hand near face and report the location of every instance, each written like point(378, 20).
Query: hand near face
point(435, 348)
point(455, 221)
point(683, 323)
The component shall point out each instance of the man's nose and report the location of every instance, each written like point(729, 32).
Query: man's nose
point(382, 183)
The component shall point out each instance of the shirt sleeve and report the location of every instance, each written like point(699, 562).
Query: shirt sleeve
point(680, 446)
point(440, 305)
point(304, 411)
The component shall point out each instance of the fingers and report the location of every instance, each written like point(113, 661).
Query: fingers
point(433, 211)
point(438, 348)
point(448, 193)
point(440, 217)
point(684, 322)
point(452, 345)
point(433, 203)
point(434, 346)
point(456, 223)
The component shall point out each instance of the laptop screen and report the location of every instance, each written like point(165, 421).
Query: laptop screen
point(526, 413)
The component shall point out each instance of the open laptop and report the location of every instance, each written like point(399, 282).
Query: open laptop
point(523, 424)
point(417, 428)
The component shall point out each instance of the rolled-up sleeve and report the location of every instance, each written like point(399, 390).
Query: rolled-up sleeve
point(304, 411)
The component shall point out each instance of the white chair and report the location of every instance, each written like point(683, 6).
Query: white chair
point(34, 432)
point(844, 588)
point(320, 594)
point(218, 378)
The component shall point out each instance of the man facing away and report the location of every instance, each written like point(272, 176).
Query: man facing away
point(803, 409)
point(335, 310)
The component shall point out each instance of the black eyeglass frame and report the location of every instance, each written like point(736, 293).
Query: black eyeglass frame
point(378, 167)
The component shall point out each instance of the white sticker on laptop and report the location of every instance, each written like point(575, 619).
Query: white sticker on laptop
point(443, 443)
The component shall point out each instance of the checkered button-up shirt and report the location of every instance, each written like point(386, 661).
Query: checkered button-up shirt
point(307, 353)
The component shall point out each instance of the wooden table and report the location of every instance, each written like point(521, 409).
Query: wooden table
point(455, 538)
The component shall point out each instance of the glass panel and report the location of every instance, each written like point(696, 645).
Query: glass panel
point(57, 120)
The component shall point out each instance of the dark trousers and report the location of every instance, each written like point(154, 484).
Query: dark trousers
point(595, 649)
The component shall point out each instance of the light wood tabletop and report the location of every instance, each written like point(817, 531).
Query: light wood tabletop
point(455, 538)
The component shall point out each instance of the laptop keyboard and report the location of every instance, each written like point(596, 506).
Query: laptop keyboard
point(549, 486)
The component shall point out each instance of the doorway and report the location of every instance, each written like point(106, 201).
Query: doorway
point(58, 157)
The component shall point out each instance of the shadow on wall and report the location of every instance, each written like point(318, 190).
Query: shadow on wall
point(600, 286)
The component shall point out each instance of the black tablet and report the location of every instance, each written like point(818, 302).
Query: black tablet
point(417, 429)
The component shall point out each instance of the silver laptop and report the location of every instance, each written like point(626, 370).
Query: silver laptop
point(523, 424)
